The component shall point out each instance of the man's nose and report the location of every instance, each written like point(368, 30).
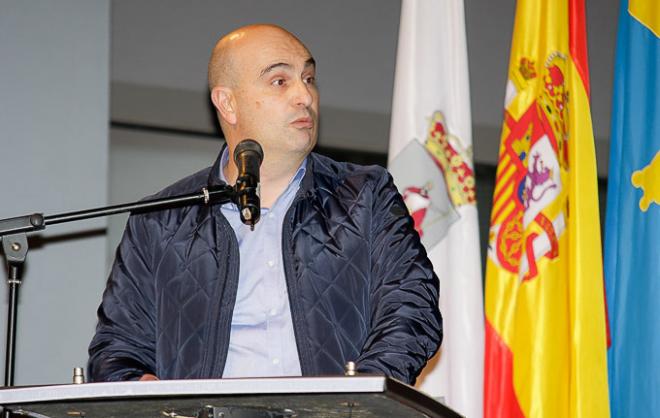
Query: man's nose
point(303, 94)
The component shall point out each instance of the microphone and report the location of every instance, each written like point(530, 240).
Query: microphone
point(248, 156)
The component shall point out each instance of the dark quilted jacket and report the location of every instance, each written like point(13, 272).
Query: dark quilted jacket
point(360, 285)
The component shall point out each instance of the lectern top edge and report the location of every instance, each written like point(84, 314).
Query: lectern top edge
point(269, 385)
point(303, 392)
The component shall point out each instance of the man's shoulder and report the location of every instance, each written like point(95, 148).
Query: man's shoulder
point(329, 169)
point(169, 219)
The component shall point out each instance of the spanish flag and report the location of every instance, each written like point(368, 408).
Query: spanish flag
point(546, 332)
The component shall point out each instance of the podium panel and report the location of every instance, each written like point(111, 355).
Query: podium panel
point(305, 397)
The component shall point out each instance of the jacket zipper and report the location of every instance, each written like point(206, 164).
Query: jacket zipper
point(292, 288)
point(217, 356)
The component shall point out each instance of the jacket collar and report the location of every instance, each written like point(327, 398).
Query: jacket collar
point(307, 184)
point(214, 174)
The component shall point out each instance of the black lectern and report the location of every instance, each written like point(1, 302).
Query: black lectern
point(318, 397)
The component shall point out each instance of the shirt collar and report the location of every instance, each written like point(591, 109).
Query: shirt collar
point(297, 178)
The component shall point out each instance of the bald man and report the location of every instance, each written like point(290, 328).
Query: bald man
point(333, 272)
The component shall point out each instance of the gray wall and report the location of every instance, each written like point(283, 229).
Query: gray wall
point(53, 159)
point(160, 50)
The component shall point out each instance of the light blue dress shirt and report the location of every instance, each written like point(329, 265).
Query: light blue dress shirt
point(262, 341)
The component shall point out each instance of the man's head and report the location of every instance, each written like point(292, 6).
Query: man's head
point(262, 82)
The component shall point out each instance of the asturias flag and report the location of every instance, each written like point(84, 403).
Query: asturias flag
point(546, 332)
point(632, 234)
point(431, 161)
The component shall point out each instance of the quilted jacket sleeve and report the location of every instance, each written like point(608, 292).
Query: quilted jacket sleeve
point(123, 347)
point(406, 325)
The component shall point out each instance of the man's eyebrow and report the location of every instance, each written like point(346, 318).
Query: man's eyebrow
point(310, 62)
point(274, 66)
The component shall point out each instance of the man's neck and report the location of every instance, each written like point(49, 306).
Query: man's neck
point(275, 176)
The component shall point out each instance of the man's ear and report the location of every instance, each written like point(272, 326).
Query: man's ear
point(224, 103)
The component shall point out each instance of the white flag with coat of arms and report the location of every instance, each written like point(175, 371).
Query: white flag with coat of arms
point(430, 157)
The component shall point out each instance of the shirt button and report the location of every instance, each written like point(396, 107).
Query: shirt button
point(276, 361)
point(271, 216)
point(270, 263)
point(272, 312)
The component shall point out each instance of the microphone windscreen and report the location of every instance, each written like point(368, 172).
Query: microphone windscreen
point(248, 145)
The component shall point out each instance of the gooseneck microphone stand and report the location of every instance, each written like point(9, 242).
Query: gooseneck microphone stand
point(13, 233)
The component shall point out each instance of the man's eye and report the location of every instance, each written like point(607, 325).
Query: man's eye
point(278, 82)
point(310, 80)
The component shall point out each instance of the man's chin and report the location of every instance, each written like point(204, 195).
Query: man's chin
point(304, 140)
